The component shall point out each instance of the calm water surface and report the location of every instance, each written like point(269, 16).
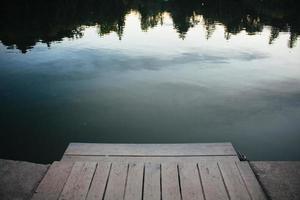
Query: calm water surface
point(150, 72)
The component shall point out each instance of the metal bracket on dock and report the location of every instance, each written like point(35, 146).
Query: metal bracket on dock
point(242, 156)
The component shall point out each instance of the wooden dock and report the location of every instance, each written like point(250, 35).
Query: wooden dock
point(148, 172)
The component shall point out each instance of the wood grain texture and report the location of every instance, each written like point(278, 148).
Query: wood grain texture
point(251, 182)
point(156, 159)
point(53, 182)
point(171, 188)
point(151, 172)
point(116, 182)
point(194, 149)
point(234, 183)
point(134, 186)
point(99, 182)
point(213, 185)
point(78, 183)
point(191, 187)
point(152, 182)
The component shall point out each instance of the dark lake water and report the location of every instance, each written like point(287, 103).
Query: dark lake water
point(134, 71)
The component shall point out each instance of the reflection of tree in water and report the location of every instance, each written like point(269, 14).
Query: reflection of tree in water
point(151, 13)
point(54, 20)
point(293, 39)
point(274, 34)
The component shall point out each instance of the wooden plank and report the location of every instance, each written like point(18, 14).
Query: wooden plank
point(251, 182)
point(233, 181)
point(134, 184)
point(191, 187)
point(53, 182)
point(79, 181)
point(183, 159)
point(185, 172)
point(195, 149)
point(99, 182)
point(170, 182)
point(212, 182)
point(116, 182)
point(152, 182)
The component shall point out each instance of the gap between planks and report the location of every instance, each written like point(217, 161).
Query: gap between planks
point(182, 181)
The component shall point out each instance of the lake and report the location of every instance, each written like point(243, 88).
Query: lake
point(149, 71)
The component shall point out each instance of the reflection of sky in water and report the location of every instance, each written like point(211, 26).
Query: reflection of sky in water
point(155, 87)
point(159, 48)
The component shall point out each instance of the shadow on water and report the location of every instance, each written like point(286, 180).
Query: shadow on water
point(25, 23)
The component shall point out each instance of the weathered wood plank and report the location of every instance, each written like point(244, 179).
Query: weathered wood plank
point(116, 182)
point(195, 149)
point(184, 159)
point(213, 185)
point(99, 182)
point(79, 181)
point(233, 181)
point(53, 182)
point(134, 184)
point(251, 182)
point(170, 182)
point(152, 182)
point(171, 171)
point(191, 187)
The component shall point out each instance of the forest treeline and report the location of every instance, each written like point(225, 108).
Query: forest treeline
point(26, 22)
